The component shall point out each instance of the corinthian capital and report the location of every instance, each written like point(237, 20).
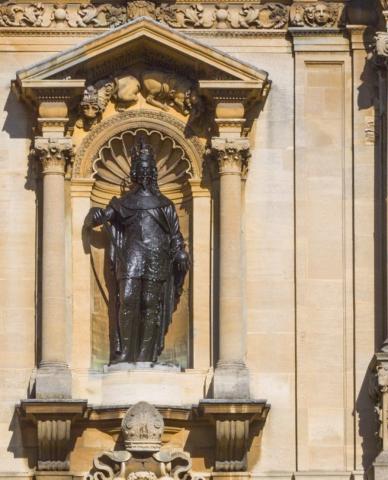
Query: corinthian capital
point(232, 155)
point(54, 153)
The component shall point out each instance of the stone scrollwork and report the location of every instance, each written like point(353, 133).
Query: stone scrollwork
point(187, 16)
point(142, 429)
point(251, 16)
point(318, 15)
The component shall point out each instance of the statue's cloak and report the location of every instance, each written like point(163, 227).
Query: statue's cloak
point(163, 212)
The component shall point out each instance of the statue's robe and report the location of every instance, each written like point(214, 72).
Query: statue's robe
point(145, 238)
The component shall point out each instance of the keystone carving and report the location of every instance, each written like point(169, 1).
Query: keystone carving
point(54, 153)
point(319, 15)
point(142, 429)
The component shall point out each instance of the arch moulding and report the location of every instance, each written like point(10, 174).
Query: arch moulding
point(145, 119)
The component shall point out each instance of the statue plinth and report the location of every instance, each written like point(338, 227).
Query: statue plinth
point(128, 366)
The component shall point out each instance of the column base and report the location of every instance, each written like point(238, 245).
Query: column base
point(380, 466)
point(231, 381)
point(53, 381)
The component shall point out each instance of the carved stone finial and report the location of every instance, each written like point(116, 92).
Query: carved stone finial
point(54, 153)
point(142, 428)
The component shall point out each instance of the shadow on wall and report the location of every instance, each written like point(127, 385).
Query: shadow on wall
point(18, 122)
point(23, 442)
point(368, 422)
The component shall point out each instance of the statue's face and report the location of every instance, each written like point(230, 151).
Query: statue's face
point(321, 14)
point(144, 174)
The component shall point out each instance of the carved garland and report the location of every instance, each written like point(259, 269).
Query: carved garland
point(252, 16)
point(140, 119)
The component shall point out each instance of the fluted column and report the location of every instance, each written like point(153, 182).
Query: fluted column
point(231, 377)
point(54, 151)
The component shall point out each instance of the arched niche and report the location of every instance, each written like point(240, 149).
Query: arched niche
point(104, 158)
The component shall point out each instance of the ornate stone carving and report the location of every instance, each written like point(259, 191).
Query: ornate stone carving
point(112, 165)
point(94, 102)
point(142, 428)
point(129, 120)
point(161, 89)
point(319, 15)
point(106, 15)
point(53, 443)
point(232, 155)
point(54, 153)
point(142, 8)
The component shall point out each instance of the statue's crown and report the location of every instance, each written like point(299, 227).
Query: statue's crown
point(142, 152)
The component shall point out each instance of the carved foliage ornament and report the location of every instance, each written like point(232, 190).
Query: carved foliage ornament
point(250, 16)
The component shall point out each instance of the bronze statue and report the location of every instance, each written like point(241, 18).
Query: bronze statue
point(148, 257)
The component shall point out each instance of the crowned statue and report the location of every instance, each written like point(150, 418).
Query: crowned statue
point(148, 257)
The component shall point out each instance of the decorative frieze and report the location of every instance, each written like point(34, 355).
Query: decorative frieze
point(250, 16)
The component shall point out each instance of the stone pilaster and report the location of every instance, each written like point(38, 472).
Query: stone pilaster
point(231, 377)
point(53, 376)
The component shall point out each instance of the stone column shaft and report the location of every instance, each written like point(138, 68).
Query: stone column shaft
point(53, 376)
point(231, 379)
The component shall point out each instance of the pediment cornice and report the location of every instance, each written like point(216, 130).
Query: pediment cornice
point(140, 44)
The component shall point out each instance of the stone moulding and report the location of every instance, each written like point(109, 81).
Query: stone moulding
point(238, 15)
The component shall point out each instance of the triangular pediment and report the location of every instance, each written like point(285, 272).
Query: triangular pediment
point(145, 41)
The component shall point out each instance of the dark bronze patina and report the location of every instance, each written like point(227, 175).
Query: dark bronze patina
point(149, 260)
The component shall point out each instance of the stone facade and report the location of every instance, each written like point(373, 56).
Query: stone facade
point(269, 119)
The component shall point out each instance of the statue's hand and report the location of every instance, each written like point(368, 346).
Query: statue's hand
point(182, 261)
point(94, 217)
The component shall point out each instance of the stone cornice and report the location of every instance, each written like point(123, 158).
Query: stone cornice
point(85, 18)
